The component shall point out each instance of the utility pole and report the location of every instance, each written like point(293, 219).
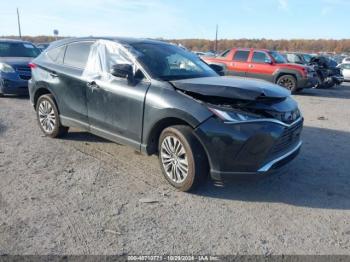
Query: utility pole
point(216, 39)
point(19, 25)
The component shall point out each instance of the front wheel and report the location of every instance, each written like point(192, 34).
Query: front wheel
point(182, 158)
point(289, 82)
point(48, 117)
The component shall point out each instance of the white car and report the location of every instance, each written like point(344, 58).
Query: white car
point(345, 68)
point(346, 60)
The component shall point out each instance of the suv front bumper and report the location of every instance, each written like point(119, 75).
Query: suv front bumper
point(249, 148)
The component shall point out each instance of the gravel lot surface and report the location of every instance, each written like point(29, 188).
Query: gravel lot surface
point(85, 195)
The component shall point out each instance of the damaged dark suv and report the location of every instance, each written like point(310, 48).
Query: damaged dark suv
point(161, 99)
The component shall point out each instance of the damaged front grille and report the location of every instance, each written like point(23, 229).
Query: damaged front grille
point(290, 137)
point(286, 117)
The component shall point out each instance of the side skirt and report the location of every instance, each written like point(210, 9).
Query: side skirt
point(66, 121)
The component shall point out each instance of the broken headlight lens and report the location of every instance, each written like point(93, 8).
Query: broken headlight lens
point(233, 116)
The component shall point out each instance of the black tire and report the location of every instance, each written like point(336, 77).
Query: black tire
point(198, 166)
point(289, 82)
point(58, 130)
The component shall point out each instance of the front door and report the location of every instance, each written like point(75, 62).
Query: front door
point(115, 105)
point(115, 109)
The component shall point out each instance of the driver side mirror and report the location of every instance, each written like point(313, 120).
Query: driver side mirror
point(122, 70)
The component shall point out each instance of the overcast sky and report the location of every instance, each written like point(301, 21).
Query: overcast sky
point(180, 18)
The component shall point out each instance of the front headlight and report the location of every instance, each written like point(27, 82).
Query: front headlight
point(233, 116)
point(6, 68)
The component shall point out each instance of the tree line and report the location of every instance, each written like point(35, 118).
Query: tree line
point(305, 45)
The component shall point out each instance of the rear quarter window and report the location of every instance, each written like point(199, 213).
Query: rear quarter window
point(56, 55)
point(77, 54)
point(241, 55)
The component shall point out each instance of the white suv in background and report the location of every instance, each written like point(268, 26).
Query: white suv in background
point(345, 68)
point(346, 60)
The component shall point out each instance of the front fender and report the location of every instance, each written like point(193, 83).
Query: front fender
point(163, 101)
point(286, 71)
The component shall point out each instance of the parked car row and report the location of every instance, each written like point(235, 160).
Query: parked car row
point(267, 65)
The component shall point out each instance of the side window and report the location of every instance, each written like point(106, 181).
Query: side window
point(241, 55)
point(56, 54)
point(260, 57)
point(77, 54)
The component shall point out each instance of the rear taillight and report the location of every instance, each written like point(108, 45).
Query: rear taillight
point(32, 65)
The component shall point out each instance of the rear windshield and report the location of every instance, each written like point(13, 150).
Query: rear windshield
point(8, 49)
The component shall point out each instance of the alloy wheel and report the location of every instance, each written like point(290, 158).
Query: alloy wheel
point(47, 116)
point(174, 159)
point(287, 83)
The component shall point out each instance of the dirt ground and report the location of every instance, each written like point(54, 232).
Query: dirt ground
point(85, 195)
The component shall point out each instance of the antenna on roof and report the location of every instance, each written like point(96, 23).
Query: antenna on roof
point(19, 25)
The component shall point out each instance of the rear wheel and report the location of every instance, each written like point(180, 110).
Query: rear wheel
point(289, 82)
point(48, 117)
point(182, 158)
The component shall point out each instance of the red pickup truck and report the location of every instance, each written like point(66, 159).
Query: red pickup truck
point(267, 65)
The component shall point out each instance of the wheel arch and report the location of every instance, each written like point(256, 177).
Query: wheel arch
point(40, 92)
point(152, 138)
point(286, 71)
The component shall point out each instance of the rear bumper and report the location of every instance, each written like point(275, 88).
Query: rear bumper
point(13, 87)
point(252, 148)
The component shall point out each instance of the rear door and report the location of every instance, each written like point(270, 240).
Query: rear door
point(239, 64)
point(261, 66)
point(70, 88)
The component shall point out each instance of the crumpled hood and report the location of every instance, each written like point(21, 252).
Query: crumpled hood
point(231, 87)
point(16, 60)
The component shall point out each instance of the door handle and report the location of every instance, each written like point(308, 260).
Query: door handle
point(251, 66)
point(92, 85)
point(53, 74)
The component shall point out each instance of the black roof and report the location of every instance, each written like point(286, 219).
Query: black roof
point(122, 40)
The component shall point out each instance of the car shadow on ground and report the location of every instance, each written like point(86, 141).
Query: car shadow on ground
point(341, 91)
point(318, 178)
point(22, 97)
